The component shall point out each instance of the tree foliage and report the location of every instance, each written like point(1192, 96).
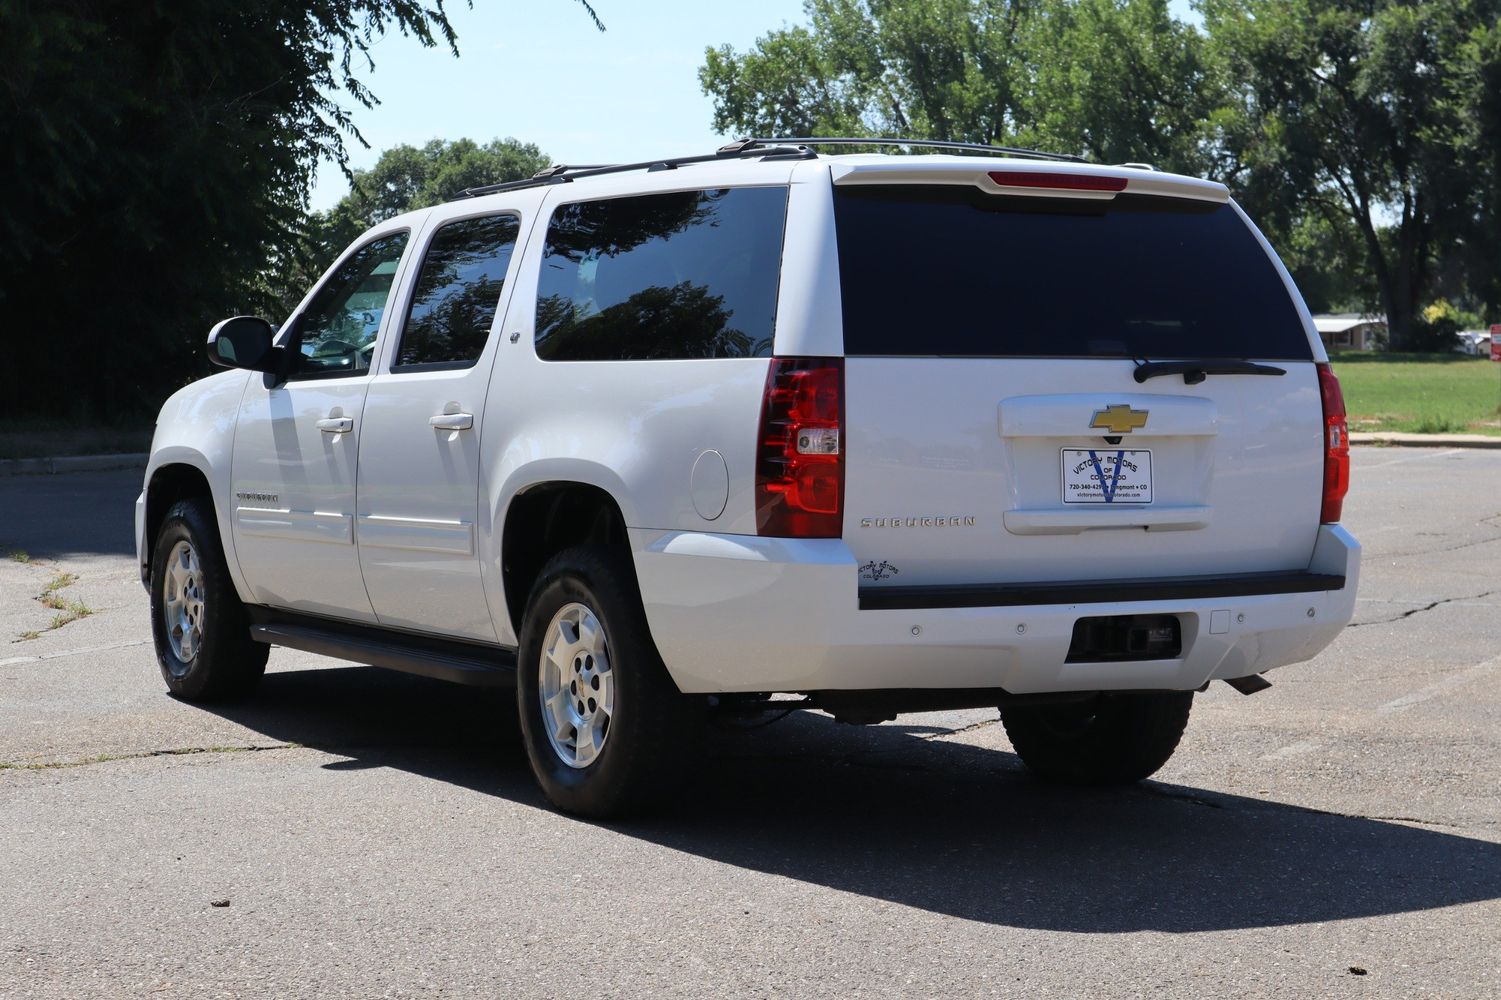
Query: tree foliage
point(154, 156)
point(153, 153)
point(1118, 80)
point(1371, 112)
point(403, 178)
point(1365, 135)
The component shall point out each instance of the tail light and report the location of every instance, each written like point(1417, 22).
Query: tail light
point(800, 453)
point(1336, 446)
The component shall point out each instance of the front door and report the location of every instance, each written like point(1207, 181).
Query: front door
point(419, 456)
point(295, 450)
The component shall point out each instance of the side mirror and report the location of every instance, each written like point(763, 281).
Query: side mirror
point(243, 342)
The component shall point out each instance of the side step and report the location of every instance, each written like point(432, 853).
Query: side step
point(472, 663)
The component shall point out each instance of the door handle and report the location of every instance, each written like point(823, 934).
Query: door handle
point(336, 425)
point(451, 421)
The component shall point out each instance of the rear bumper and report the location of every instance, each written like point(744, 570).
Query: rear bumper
point(740, 613)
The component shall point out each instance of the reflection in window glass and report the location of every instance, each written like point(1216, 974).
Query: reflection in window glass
point(337, 334)
point(683, 275)
point(954, 271)
point(458, 290)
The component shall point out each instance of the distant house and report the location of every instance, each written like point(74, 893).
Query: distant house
point(1351, 331)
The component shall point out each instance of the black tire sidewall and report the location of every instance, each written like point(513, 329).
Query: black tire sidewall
point(1127, 738)
point(228, 663)
point(637, 760)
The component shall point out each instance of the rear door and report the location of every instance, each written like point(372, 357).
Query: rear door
point(997, 431)
point(419, 457)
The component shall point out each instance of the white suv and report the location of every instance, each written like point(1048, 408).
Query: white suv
point(894, 433)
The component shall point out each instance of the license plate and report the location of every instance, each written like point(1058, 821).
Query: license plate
point(1107, 475)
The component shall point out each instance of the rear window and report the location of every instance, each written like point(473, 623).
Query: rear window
point(953, 271)
point(689, 274)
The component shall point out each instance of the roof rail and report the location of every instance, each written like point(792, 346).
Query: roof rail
point(971, 147)
point(562, 173)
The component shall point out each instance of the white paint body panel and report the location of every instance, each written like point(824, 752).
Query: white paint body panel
point(418, 496)
point(736, 613)
point(196, 428)
point(1236, 462)
point(297, 551)
point(1237, 467)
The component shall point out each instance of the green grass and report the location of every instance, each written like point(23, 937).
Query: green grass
point(1422, 394)
point(51, 598)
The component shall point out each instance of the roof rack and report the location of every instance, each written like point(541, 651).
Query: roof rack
point(562, 173)
point(799, 149)
point(970, 147)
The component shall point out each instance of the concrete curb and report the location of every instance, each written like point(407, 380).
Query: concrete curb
point(1400, 440)
point(72, 463)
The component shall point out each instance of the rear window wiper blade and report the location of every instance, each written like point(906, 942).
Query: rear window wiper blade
point(1194, 372)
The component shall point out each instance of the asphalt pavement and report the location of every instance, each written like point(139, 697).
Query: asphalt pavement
point(353, 832)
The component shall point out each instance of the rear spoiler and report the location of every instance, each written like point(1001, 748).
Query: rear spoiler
point(1055, 180)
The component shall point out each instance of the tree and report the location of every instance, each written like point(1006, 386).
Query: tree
point(1376, 113)
point(1119, 79)
point(406, 177)
point(1120, 82)
point(403, 178)
point(1365, 137)
point(152, 155)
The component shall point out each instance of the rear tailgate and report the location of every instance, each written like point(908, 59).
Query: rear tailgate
point(995, 432)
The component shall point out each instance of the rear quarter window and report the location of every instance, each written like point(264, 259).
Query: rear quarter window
point(954, 271)
point(662, 276)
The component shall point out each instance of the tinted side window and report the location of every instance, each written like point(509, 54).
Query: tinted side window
point(684, 275)
point(955, 271)
point(336, 333)
point(457, 292)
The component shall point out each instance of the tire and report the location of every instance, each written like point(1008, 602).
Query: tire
point(625, 750)
point(1107, 740)
point(200, 628)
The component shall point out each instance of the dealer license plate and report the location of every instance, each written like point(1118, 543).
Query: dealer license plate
point(1107, 475)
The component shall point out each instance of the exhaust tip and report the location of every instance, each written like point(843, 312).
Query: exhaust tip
point(1249, 685)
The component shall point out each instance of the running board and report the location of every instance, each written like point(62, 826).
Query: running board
point(472, 663)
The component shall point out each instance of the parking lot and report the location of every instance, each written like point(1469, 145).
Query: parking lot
point(354, 832)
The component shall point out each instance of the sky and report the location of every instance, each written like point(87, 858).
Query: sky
point(540, 72)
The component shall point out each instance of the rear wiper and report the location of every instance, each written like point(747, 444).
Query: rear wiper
point(1194, 372)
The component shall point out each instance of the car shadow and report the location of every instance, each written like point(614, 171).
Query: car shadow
point(891, 813)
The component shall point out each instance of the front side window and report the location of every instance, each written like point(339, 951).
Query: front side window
point(689, 274)
point(457, 293)
point(336, 333)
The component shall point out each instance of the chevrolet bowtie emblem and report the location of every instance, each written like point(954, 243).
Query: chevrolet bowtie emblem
point(1119, 419)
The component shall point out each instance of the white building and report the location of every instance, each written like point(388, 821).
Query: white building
point(1351, 331)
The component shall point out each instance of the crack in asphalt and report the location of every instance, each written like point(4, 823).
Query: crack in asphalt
point(107, 758)
point(1162, 793)
point(1199, 800)
point(1427, 607)
point(1375, 819)
point(962, 729)
point(858, 759)
point(1432, 552)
